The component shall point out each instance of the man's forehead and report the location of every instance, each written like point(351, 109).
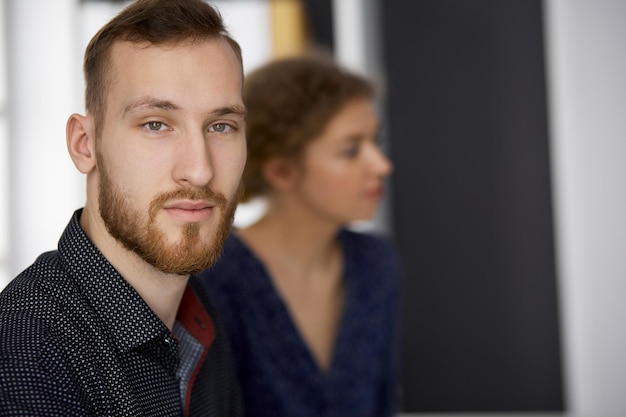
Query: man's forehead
point(138, 70)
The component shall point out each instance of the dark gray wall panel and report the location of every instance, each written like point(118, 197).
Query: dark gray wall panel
point(466, 109)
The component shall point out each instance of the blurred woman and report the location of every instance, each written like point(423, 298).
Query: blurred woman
point(311, 306)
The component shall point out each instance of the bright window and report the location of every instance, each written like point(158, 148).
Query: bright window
point(4, 160)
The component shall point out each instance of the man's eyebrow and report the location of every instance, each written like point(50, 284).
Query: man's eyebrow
point(150, 103)
point(235, 110)
point(143, 103)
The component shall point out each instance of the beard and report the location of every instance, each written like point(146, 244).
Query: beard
point(191, 253)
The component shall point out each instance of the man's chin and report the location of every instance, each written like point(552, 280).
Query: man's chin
point(184, 261)
point(191, 254)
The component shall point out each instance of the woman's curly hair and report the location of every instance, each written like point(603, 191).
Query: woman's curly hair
point(290, 102)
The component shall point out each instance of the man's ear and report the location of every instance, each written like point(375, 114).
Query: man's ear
point(280, 173)
point(81, 142)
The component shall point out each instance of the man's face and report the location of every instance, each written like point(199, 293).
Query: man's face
point(172, 151)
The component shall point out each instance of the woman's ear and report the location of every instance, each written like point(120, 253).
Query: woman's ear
point(81, 143)
point(280, 173)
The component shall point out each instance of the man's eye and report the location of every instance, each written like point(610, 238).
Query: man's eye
point(220, 127)
point(155, 126)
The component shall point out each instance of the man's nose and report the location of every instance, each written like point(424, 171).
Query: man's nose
point(194, 163)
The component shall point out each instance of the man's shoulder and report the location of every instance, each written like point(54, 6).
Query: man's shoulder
point(53, 352)
point(42, 282)
point(34, 303)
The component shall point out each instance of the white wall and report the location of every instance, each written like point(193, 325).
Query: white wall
point(44, 186)
point(587, 79)
point(4, 157)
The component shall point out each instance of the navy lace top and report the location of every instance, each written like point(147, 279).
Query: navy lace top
point(278, 374)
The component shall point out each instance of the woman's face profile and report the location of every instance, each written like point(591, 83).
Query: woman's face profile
point(342, 170)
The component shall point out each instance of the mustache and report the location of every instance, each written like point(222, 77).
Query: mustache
point(187, 194)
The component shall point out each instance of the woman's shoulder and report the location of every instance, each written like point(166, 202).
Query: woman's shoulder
point(372, 269)
point(236, 261)
point(367, 244)
point(370, 253)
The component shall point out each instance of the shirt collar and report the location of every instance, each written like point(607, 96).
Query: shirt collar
point(121, 309)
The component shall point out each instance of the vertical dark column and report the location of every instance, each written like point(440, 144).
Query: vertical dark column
point(320, 19)
point(472, 204)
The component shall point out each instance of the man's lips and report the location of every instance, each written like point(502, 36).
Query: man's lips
point(189, 205)
point(189, 211)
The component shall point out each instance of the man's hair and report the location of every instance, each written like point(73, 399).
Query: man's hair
point(290, 102)
point(147, 21)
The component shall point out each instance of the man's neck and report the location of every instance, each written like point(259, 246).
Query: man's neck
point(162, 292)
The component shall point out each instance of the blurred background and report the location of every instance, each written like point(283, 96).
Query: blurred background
point(505, 121)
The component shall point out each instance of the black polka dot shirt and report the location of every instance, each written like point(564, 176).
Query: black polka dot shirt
point(77, 340)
